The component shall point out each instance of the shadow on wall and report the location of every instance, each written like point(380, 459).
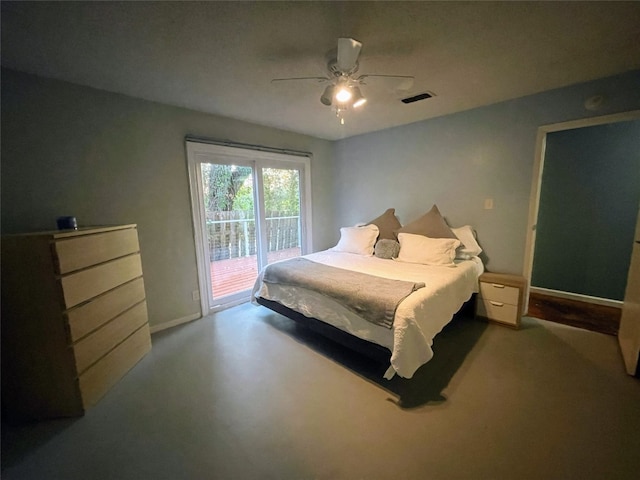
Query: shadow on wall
point(451, 346)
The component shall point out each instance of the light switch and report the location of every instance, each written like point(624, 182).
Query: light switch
point(488, 203)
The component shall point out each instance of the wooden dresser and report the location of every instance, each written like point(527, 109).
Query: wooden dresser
point(501, 298)
point(74, 318)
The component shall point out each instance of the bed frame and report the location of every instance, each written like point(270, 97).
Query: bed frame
point(369, 349)
point(363, 347)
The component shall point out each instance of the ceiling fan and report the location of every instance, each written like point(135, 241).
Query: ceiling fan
point(343, 89)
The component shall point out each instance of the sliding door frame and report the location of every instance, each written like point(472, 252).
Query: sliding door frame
point(257, 158)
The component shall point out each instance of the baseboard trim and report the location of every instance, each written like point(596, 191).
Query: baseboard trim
point(578, 297)
point(174, 323)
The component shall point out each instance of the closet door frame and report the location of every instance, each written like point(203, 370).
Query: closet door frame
point(536, 182)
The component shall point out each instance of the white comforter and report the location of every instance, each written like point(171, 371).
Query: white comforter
point(419, 317)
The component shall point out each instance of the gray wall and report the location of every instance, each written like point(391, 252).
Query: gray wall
point(457, 161)
point(112, 159)
point(108, 159)
point(588, 209)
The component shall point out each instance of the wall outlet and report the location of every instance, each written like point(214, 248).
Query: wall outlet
point(195, 295)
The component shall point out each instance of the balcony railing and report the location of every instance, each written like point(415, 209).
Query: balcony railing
point(232, 247)
point(233, 234)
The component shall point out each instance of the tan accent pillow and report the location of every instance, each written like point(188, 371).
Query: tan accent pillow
point(431, 224)
point(387, 223)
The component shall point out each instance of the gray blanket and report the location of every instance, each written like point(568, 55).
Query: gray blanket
point(373, 298)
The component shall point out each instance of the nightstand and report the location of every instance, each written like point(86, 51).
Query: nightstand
point(501, 298)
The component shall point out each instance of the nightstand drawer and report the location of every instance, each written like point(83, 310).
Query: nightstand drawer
point(499, 292)
point(497, 311)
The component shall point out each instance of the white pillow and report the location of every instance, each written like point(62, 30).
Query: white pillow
point(469, 247)
point(358, 240)
point(426, 250)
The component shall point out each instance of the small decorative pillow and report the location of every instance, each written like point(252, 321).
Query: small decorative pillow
point(386, 248)
point(359, 240)
point(469, 247)
point(426, 250)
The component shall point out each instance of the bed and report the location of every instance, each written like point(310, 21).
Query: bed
point(441, 275)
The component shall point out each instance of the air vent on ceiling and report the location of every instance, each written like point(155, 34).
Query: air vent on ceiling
point(417, 98)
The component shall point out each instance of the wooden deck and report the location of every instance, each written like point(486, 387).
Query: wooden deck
point(239, 274)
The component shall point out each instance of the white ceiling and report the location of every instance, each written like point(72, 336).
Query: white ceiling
point(219, 57)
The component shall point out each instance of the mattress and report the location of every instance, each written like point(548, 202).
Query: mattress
point(418, 319)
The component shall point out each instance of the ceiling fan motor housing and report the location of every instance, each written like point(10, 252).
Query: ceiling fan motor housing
point(334, 69)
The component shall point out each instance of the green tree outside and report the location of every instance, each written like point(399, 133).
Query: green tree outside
point(230, 188)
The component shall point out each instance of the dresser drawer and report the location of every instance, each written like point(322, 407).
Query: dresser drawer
point(86, 318)
point(497, 311)
point(84, 251)
point(91, 348)
point(83, 285)
point(97, 380)
point(499, 292)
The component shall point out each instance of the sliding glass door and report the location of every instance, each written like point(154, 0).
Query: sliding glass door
point(283, 229)
point(249, 211)
point(230, 228)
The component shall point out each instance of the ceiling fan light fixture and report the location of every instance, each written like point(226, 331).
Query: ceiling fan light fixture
point(343, 95)
point(327, 95)
point(358, 98)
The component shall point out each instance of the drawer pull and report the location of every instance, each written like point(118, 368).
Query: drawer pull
point(497, 285)
point(496, 304)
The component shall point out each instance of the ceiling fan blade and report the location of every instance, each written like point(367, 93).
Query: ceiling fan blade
point(317, 79)
point(405, 82)
point(401, 77)
point(348, 53)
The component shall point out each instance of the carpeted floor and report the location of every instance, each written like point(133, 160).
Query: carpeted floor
point(247, 394)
